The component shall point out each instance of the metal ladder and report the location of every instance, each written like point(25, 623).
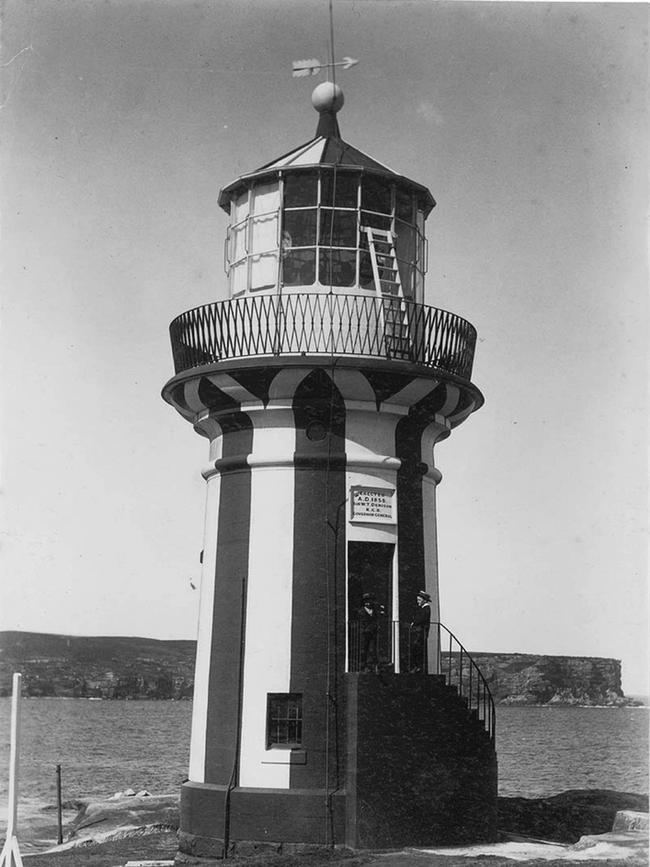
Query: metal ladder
point(393, 311)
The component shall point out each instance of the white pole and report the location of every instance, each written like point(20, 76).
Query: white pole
point(10, 856)
point(12, 819)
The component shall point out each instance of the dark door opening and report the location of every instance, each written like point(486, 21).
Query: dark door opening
point(370, 570)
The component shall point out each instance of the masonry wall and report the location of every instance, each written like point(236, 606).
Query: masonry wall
point(421, 770)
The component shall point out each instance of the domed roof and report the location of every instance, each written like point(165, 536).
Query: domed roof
point(327, 148)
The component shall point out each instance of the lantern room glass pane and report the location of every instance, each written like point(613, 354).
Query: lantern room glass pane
point(239, 208)
point(238, 275)
point(403, 205)
point(406, 270)
point(266, 197)
point(418, 285)
point(340, 189)
point(377, 221)
point(376, 195)
point(299, 228)
point(264, 233)
point(299, 268)
point(264, 270)
point(238, 242)
point(366, 277)
point(338, 228)
point(405, 241)
point(420, 222)
point(300, 189)
point(337, 267)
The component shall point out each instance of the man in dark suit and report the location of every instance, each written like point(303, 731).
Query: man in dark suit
point(420, 633)
point(368, 617)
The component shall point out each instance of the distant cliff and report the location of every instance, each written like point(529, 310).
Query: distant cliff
point(527, 679)
point(144, 668)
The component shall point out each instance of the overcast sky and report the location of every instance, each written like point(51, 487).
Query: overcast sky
point(528, 122)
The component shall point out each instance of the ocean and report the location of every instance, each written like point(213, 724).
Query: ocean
point(107, 746)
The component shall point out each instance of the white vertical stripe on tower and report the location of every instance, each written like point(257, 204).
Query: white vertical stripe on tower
point(371, 461)
point(206, 606)
point(267, 659)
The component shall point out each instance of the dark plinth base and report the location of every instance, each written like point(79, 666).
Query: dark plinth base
point(261, 820)
point(419, 770)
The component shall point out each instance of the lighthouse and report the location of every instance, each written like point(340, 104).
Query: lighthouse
point(331, 705)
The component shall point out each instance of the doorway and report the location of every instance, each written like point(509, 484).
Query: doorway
point(370, 570)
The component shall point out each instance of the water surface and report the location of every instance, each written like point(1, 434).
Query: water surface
point(108, 746)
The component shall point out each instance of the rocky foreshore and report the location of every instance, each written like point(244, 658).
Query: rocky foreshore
point(64, 666)
point(562, 818)
point(567, 816)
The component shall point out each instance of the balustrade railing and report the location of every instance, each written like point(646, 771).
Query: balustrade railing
point(326, 324)
point(398, 647)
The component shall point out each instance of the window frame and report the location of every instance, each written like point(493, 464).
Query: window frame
point(287, 720)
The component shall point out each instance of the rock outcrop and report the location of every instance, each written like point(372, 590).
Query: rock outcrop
point(98, 819)
point(568, 816)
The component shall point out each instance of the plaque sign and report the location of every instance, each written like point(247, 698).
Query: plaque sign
point(372, 505)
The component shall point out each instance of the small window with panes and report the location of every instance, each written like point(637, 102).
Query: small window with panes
point(284, 720)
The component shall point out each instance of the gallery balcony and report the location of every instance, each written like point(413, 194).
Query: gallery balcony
point(329, 325)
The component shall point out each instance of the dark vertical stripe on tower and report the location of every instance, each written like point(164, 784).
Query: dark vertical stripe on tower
point(410, 518)
point(319, 572)
point(228, 627)
point(408, 445)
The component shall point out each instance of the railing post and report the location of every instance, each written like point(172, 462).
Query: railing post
point(469, 691)
point(59, 806)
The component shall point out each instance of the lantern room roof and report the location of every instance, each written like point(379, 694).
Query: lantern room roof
point(327, 148)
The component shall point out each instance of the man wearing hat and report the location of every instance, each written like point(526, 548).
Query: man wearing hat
point(368, 617)
point(420, 633)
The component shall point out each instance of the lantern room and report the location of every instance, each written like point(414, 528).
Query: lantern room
point(326, 218)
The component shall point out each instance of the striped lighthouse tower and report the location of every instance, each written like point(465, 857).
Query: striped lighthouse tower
point(326, 711)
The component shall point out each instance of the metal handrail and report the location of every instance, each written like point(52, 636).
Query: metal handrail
point(327, 324)
point(461, 671)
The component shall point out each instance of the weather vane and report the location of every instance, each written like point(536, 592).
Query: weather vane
point(314, 66)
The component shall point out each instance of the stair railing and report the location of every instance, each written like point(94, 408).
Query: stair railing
point(460, 671)
point(402, 649)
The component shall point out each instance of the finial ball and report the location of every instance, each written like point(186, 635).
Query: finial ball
point(327, 97)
